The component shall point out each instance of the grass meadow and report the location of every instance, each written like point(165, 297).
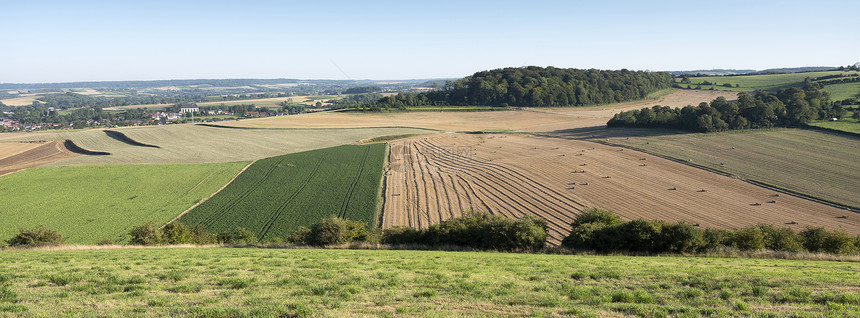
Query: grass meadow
point(843, 90)
point(812, 162)
point(88, 204)
point(767, 82)
point(848, 125)
point(251, 282)
point(276, 195)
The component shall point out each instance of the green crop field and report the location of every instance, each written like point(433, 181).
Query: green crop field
point(88, 204)
point(812, 162)
point(768, 82)
point(248, 282)
point(202, 144)
point(276, 195)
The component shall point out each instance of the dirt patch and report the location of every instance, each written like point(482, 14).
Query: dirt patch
point(43, 154)
point(8, 149)
point(430, 179)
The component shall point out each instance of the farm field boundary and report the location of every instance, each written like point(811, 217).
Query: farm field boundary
point(211, 195)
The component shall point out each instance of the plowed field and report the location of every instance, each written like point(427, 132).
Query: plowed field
point(430, 179)
point(32, 156)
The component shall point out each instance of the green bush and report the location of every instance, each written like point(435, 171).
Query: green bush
point(681, 238)
point(300, 236)
point(177, 233)
point(334, 230)
point(784, 239)
point(38, 236)
point(146, 234)
point(241, 235)
point(817, 239)
point(638, 235)
point(595, 215)
point(716, 238)
point(477, 230)
point(582, 236)
point(402, 235)
point(748, 238)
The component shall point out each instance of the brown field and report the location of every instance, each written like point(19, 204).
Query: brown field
point(430, 179)
point(23, 100)
point(37, 156)
point(9, 149)
point(533, 119)
point(259, 102)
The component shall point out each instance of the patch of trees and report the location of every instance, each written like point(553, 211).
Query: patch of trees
point(602, 231)
point(358, 101)
point(788, 107)
point(475, 230)
point(292, 108)
point(535, 87)
point(363, 90)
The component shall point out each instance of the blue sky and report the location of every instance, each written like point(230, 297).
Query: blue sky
point(58, 41)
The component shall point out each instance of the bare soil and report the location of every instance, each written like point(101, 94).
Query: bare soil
point(43, 154)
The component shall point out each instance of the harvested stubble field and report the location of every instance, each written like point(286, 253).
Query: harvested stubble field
point(248, 282)
point(817, 163)
point(274, 196)
point(88, 204)
point(534, 119)
point(439, 177)
point(20, 156)
point(202, 144)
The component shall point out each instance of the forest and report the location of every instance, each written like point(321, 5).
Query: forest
point(533, 87)
point(787, 108)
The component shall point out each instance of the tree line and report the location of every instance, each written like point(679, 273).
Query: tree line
point(535, 87)
point(788, 107)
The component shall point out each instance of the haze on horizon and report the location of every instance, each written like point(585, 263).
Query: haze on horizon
point(59, 41)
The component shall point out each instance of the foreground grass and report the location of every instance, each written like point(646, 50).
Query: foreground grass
point(812, 162)
point(222, 282)
point(88, 204)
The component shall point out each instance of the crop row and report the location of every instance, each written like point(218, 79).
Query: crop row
point(276, 195)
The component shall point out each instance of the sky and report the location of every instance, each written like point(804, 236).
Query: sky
point(64, 41)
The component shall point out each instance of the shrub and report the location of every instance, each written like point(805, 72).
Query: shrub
point(241, 235)
point(748, 238)
point(38, 236)
point(582, 236)
point(177, 233)
point(681, 238)
point(595, 215)
point(402, 235)
point(300, 236)
point(817, 239)
point(146, 234)
point(202, 237)
point(784, 239)
point(333, 230)
point(640, 235)
point(716, 238)
point(225, 238)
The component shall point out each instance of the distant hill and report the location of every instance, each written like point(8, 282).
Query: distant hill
point(720, 71)
point(796, 69)
point(713, 72)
